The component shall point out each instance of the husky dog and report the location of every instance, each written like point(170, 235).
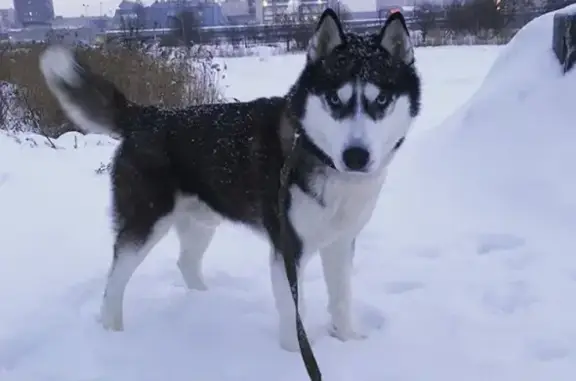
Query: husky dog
point(191, 168)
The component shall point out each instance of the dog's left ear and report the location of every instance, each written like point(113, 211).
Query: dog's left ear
point(328, 35)
point(395, 38)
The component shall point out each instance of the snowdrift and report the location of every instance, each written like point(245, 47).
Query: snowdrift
point(506, 158)
point(22, 154)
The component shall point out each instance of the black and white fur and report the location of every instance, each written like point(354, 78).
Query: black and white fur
point(191, 168)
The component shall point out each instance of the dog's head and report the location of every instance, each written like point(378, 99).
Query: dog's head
point(357, 95)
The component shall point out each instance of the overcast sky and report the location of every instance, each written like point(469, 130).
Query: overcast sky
point(76, 7)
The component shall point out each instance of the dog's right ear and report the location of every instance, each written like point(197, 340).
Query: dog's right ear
point(328, 35)
point(395, 38)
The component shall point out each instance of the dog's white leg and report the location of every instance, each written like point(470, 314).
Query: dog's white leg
point(127, 257)
point(337, 266)
point(195, 238)
point(285, 302)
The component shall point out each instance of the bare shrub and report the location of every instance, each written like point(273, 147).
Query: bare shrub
point(3, 108)
point(4, 102)
point(12, 115)
point(169, 79)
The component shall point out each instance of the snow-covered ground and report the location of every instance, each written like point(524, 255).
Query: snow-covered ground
point(466, 272)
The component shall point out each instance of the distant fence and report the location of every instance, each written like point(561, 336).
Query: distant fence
point(296, 35)
point(260, 33)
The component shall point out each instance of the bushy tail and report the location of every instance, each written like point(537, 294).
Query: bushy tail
point(91, 102)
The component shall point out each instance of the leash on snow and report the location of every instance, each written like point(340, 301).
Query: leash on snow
point(290, 261)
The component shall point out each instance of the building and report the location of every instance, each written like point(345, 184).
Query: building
point(161, 13)
point(34, 12)
point(239, 12)
point(252, 8)
point(279, 11)
point(7, 18)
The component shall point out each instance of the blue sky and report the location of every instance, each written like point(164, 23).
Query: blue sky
point(76, 7)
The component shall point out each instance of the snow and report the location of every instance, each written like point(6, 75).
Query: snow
point(465, 272)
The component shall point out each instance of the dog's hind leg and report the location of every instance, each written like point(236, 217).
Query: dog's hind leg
point(194, 241)
point(128, 255)
point(195, 225)
point(143, 215)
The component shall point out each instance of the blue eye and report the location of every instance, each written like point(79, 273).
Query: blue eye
point(382, 99)
point(333, 99)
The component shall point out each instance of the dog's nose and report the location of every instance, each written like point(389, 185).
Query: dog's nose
point(356, 158)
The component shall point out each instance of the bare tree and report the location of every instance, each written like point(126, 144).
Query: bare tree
point(553, 5)
point(516, 6)
point(140, 21)
point(518, 12)
point(488, 16)
point(343, 12)
point(457, 17)
point(4, 105)
point(131, 26)
point(186, 27)
point(425, 18)
point(474, 17)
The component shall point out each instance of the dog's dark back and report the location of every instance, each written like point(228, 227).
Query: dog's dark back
point(228, 155)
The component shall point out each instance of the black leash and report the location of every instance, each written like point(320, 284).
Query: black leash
point(290, 262)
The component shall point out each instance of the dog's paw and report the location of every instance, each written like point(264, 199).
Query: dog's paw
point(112, 326)
point(346, 333)
point(192, 277)
point(196, 284)
point(289, 344)
point(289, 339)
point(110, 323)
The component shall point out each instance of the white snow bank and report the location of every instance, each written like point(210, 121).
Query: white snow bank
point(507, 156)
point(69, 140)
point(21, 153)
point(490, 196)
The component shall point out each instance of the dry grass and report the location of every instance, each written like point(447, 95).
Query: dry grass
point(176, 79)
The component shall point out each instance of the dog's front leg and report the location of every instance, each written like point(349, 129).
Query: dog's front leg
point(337, 267)
point(285, 303)
point(286, 252)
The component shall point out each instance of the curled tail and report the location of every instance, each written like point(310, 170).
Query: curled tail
point(91, 102)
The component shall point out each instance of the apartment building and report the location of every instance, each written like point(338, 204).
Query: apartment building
point(34, 12)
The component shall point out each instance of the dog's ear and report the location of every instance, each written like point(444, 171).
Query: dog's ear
point(328, 35)
point(395, 38)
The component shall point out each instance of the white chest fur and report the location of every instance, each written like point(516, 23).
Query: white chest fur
point(347, 205)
